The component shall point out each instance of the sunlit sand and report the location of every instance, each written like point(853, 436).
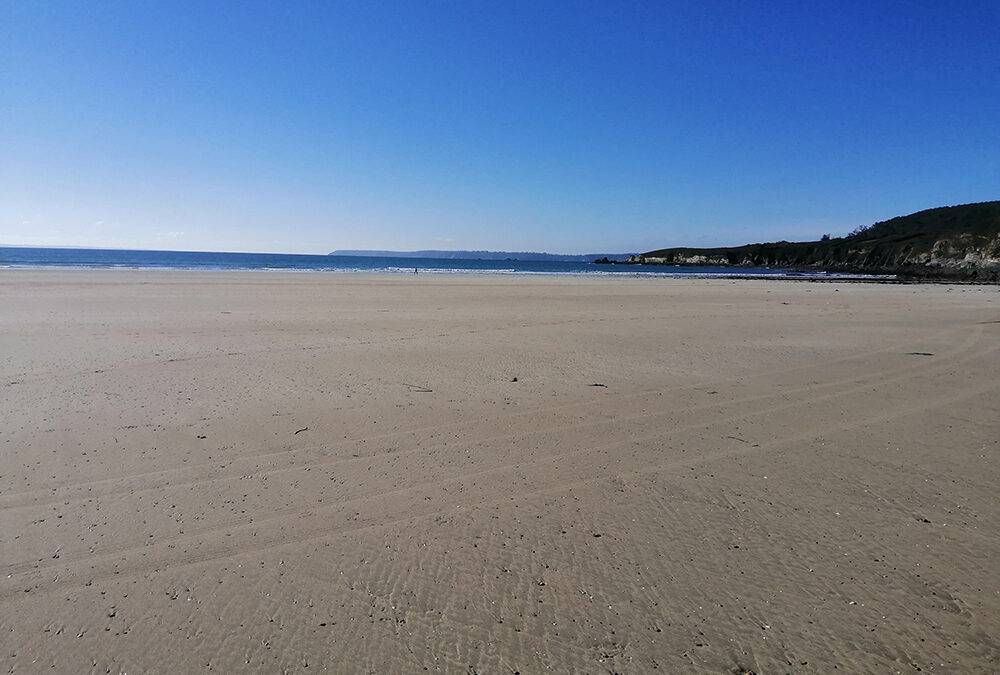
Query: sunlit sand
point(263, 471)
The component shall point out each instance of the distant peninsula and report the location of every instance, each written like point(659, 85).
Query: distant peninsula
point(950, 242)
point(527, 256)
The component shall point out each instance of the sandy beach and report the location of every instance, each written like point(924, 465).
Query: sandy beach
point(263, 472)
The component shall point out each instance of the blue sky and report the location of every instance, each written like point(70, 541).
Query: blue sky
point(568, 127)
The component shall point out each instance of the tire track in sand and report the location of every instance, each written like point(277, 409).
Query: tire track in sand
point(310, 522)
point(241, 465)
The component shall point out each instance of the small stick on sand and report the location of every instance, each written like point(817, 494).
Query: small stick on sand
point(418, 388)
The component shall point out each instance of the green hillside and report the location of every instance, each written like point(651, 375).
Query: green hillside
point(948, 242)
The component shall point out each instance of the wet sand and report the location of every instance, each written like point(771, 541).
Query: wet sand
point(262, 471)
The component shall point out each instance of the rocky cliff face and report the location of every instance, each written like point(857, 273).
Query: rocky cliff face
point(963, 251)
point(955, 241)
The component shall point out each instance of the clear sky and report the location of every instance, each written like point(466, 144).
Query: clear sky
point(568, 127)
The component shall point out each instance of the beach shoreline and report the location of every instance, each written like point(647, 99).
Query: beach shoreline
point(218, 470)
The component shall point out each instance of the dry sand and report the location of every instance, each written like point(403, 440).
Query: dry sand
point(264, 471)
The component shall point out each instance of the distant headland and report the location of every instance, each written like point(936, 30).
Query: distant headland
point(526, 256)
point(949, 242)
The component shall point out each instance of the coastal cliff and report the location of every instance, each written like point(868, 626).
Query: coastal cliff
point(961, 242)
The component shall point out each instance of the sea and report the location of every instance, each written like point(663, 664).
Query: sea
point(92, 258)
